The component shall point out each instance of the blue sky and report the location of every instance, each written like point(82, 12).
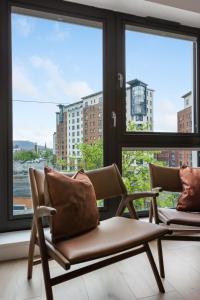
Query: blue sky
point(166, 65)
point(52, 61)
point(60, 62)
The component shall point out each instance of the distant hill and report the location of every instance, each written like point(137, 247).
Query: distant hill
point(26, 145)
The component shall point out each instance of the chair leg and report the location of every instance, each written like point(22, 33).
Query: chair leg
point(154, 268)
point(44, 261)
point(31, 251)
point(160, 258)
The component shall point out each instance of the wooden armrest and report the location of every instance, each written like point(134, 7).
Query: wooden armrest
point(127, 202)
point(139, 195)
point(45, 211)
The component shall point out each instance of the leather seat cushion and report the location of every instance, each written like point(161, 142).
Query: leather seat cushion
point(109, 237)
point(172, 216)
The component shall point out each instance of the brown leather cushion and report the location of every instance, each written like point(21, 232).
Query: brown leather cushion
point(75, 202)
point(165, 177)
point(111, 236)
point(172, 216)
point(189, 199)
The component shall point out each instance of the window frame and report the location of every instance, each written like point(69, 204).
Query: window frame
point(9, 222)
point(156, 139)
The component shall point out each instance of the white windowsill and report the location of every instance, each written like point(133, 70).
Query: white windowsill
point(14, 245)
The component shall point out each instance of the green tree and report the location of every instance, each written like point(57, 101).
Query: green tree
point(25, 155)
point(135, 171)
point(91, 155)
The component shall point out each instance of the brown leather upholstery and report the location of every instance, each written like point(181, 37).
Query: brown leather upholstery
point(107, 182)
point(189, 199)
point(166, 178)
point(39, 178)
point(172, 216)
point(75, 202)
point(111, 236)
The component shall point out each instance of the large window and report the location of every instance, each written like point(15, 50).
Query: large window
point(159, 74)
point(57, 99)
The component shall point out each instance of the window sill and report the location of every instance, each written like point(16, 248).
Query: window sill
point(14, 245)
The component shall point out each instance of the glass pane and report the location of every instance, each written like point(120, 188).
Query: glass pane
point(135, 171)
point(159, 89)
point(57, 99)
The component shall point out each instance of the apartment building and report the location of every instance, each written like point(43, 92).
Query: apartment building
point(185, 125)
point(82, 121)
point(176, 158)
point(92, 118)
point(139, 104)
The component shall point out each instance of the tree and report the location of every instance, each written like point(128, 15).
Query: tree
point(25, 155)
point(135, 171)
point(91, 155)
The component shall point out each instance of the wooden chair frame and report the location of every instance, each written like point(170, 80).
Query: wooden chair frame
point(48, 251)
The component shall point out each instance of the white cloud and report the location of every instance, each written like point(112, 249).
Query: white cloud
point(59, 34)
point(22, 84)
point(38, 135)
point(55, 84)
point(24, 26)
point(165, 116)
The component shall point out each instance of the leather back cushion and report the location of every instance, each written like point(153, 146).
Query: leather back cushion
point(165, 177)
point(189, 199)
point(75, 201)
point(107, 182)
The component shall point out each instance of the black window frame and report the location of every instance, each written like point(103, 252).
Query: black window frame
point(115, 138)
point(156, 139)
point(8, 222)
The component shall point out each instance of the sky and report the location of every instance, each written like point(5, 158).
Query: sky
point(60, 62)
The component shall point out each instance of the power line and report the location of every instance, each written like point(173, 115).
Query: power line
point(40, 102)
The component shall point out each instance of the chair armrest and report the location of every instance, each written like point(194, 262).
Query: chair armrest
point(128, 199)
point(45, 211)
point(139, 195)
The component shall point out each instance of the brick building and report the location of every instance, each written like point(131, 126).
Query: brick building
point(82, 121)
point(176, 158)
point(93, 118)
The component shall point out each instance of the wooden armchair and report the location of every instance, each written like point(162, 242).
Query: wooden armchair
point(184, 225)
point(118, 235)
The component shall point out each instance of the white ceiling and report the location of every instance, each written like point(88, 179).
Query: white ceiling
point(187, 12)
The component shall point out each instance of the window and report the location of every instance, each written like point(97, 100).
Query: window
point(43, 89)
point(158, 80)
point(139, 118)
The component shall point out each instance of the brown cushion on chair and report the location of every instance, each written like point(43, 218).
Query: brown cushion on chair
point(173, 216)
point(189, 199)
point(111, 236)
point(75, 202)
